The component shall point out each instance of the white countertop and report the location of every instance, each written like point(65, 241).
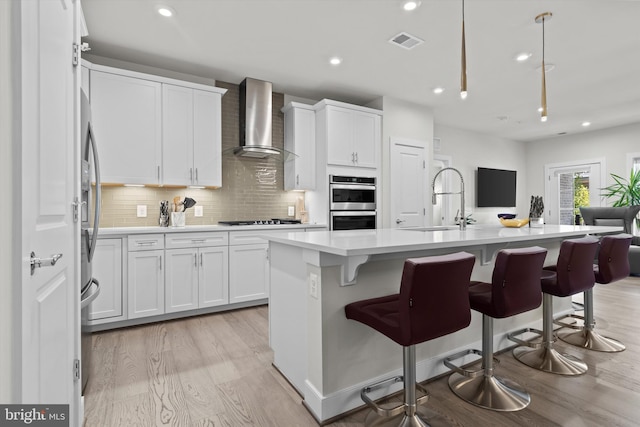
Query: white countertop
point(120, 231)
point(384, 241)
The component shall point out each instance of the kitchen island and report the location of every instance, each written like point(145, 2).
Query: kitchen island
point(329, 358)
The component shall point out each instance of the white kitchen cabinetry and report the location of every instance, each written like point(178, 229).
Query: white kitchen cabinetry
point(126, 117)
point(248, 267)
point(197, 271)
point(300, 138)
point(351, 134)
point(191, 131)
point(107, 269)
point(145, 278)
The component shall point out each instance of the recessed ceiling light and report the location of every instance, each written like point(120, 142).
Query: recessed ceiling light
point(521, 57)
point(410, 5)
point(438, 90)
point(585, 124)
point(165, 11)
point(335, 60)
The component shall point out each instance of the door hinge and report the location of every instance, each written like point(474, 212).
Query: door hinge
point(77, 48)
point(76, 369)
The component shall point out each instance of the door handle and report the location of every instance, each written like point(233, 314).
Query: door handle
point(400, 221)
point(43, 262)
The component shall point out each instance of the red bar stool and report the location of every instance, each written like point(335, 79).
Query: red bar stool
point(514, 289)
point(433, 302)
point(613, 265)
point(572, 274)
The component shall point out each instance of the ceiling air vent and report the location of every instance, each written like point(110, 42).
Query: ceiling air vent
point(406, 40)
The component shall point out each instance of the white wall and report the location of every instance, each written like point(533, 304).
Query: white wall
point(402, 119)
point(6, 182)
point(471, 150)
point(613, 144)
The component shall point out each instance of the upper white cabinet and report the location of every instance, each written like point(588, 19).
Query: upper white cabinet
point(351, 134)
point(191, 143)
point(126, 117)
point(300, 138)
point(155, 130)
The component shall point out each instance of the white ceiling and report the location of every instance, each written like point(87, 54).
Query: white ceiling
point(594, 45)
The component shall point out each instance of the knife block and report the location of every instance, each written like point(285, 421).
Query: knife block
point(177, 219)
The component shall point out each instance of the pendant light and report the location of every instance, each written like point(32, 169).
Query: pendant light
point(540, 19)
point(463, 73)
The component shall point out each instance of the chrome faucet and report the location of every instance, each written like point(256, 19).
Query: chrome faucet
point(463, 219)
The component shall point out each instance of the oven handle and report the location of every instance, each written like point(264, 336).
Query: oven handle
point(352, 187)
point(353, 213)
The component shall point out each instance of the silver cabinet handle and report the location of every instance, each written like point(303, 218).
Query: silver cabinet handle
point(196, 175)
point(43, 262)
point(191, 174)
point(200, 260)
point(400, 221)
point(353, 157)
point(146, 242)
point(160, 259)
point(297, 179)
point(195, 260)
point(356, 157)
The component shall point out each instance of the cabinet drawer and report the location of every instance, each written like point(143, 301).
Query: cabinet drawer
point(196, 240)
point(145, 242)
point(253, 237)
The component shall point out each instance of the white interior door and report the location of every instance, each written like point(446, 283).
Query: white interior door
point(408, 177)
point(559, 188)
point(50, 294)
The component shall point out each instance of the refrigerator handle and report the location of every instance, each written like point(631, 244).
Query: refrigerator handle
point(98, 205)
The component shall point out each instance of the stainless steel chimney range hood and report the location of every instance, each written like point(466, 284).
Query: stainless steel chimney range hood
point(255, 121)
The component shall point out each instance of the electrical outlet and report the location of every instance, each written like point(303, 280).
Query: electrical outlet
point(141, 211)
point(291, 211)
point(198, 211)
point(313, 285)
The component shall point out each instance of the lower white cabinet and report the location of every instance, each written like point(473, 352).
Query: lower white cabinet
point(248, 272)
point(107, 269)
point(145, 283)
point(196, 278)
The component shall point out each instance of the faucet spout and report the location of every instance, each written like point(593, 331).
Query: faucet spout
point(463, 218)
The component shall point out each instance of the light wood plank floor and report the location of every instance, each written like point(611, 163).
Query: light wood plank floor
point(215, 370)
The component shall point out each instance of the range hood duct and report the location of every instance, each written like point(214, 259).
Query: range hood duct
point(255, 120)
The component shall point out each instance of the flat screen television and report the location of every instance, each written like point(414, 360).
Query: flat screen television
point(496, 188)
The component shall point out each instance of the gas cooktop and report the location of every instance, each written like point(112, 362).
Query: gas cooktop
point(274, 221)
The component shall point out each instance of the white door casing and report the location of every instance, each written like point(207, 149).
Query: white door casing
point(553, 173)
point(408, 183)
point(49, 127)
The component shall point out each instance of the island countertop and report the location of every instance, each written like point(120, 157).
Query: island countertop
point(387, 240)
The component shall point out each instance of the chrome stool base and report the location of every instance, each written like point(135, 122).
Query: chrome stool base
point(491, 392)
point(401, 420)
point(549, 360)
point(591, 340)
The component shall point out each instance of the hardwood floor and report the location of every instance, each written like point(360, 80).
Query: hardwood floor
point(215, 370)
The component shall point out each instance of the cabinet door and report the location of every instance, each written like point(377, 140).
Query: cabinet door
point(366, 134)
point(248, 272)
point(181, 280)
point(145, 283)
point(300, 138)
point(107, 269)
point(213, 276)
point(207, 139)
point(126, 117)
point(340, 149)
point(177, 135)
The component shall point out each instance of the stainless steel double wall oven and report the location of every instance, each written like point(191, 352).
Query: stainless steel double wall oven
point(352, 202)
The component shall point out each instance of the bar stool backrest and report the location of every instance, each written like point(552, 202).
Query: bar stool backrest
point(575, 265)
point(613, 258)
point(434, 296)
point(515, 284)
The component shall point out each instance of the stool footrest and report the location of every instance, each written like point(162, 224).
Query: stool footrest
point(466, 372)
point(512, 337)
point(396, 410)
point(574, 325)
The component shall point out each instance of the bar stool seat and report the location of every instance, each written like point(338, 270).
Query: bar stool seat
point(572, 274)
point(514, 289)
point(433, 302)
point(613, 265)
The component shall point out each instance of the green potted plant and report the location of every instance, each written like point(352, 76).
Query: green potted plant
point(626, 192)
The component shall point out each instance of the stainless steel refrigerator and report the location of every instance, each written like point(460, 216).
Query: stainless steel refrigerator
point(90, 287)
